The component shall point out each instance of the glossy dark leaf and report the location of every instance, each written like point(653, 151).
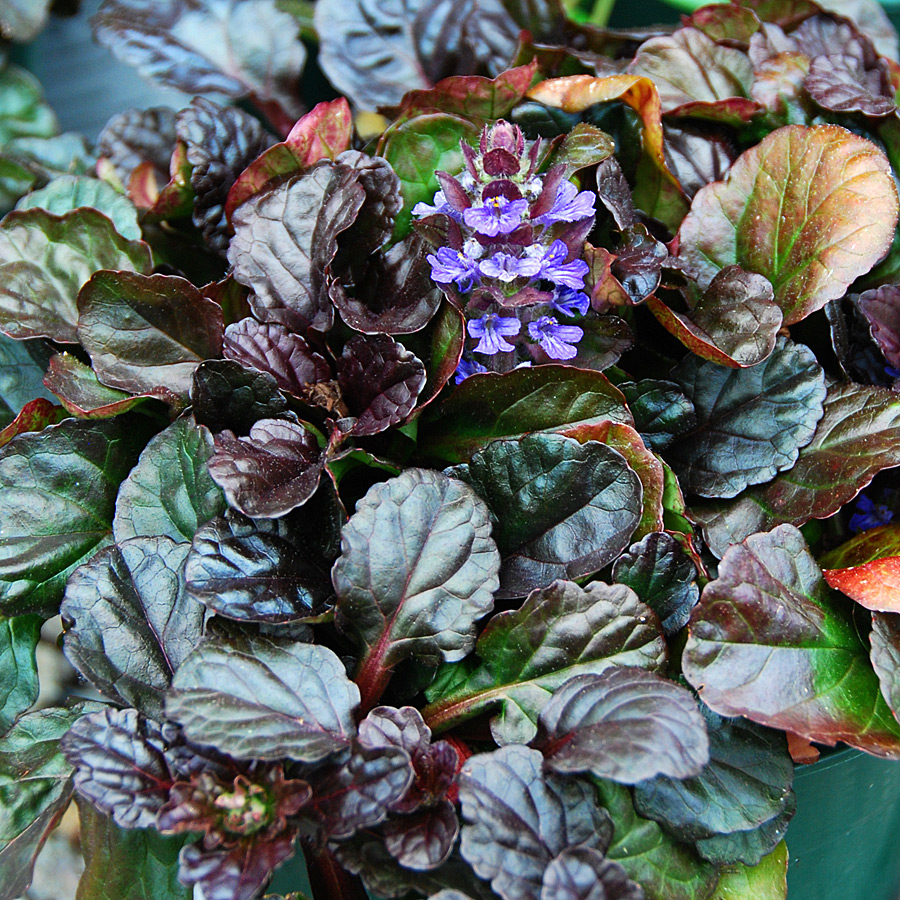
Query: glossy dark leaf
point(128, 623)
point(751, 423)
point(120, 763)
point(285, 238)
point(359, 793)
point(562, 509)
point(698, 156)
point(379, 381)
point(129, 864)
point(57, 496)
point(422, 840)
point(582, 873)
point(169, 492)
point(625, 724)
point(265, 700)
point(417, 569)
point(841, 82)
point(267, 570)
point(783, 651)
point(278, 352)
point(40, 284)
point(880, 307)
point(558, 632)
point(80, 391)
point(839, 206)
point(638, 263)
point(746, 783)
point(273, 470)
point(516, 819)
point(885, 640)
point(212, 46)
point(666, 869)
point(855, 438)
point(147, 333)
point(21, 377)
point(734, 322)
point(35, 789)
point(225, 395)
point(394, 295)
point(663, 576)
point(323, 133)
point(221, 142)
point(661, 411)
point(749, 847)
point(138, 136)
point(543, 398)
point(19, 679)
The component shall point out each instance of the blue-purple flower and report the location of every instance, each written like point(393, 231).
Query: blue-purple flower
point(466, 368)
point(507, 267)
point(453, 266)
point(556, 340)
point(570, 302)
point(440, 205)
point(570, 205)
point(497, 216)
point(555, 268)
point(869, 514)
point(490, 329)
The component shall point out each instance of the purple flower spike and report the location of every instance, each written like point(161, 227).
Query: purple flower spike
point(869, 514)
point(571, 205)
point(466, 368)
point(556, 269)
point(490, 329)
point(448, 266)
point(507, 267)
point(440, 206)
point(570, 302)
point(557, 340)
point(497, 216)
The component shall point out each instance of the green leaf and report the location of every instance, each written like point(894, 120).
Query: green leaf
point(767, 880)
point(147, 333)
point(417, 569)
point(44, 261)
point(57, 496)
point(561, 509)
point(261, 699)
point(81, 393)
point(21, 379)
point(543, 398)
point(18, 667)
point(23, 112)
point(833, 203)
point(133, 864)
point(170, 492)
point(35, 789)
point(128, 622)
point(751, 423)
point(419, 148)
point(70, 192)
point(769, 640)
point(665, 868)
point(558, 632)
point(857, 436)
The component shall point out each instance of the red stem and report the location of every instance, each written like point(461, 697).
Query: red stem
point(372, 680)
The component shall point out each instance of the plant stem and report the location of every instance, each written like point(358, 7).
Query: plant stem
point(372, 679)
point(329, 881)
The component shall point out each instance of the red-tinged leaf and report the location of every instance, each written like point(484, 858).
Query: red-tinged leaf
point(881, 307)
point(575, 93)
point(81, 393)
point(802, 750)
point(725, 22)
point(875, 584)
point(175, 200)
point(147, 333)
point(137, 137)
point(322, 133)
point(769, 640)
point(833, 197)
point(734, 322)
point(885, 641)
point(472, 96)
point(778, 86)
point(857, 436)
point(606, 290)
point(34, 416)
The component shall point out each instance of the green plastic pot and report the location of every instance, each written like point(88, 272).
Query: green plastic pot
point(844, 841)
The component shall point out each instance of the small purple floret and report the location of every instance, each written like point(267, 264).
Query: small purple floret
point(570, 302)
point(869, 514)
point(570, 205)
point(556, 340)
point(453, 266)
point(440, 205)
point(466, 368)
point(497, 216)
point(556, 269)
point(507, 267)
point(490, 329)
